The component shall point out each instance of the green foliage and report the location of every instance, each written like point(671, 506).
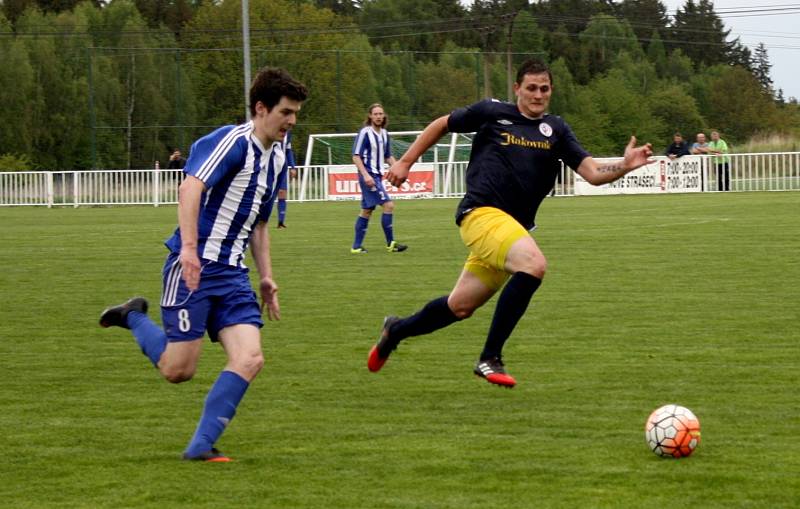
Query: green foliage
point(442, 99)
point(119, 84)
point(677, 111)
point(622, 112)
point(591, 124)
point(13, 162)
point(645, 16)
point(657, 54)
point(604, 37)
point(18, 101)
point(678, 67)
point(740, 104)
point(564, 89)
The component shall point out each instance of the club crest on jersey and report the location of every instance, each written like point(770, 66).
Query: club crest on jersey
point(545, 129)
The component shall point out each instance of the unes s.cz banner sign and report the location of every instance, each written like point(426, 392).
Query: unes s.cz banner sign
point(682, 175)
point(343, 183)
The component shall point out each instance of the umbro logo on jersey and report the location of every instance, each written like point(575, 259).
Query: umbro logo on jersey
point(504, 122)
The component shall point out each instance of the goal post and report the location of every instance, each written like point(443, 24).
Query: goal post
point(335, 149)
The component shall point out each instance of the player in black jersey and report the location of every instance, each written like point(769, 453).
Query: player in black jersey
point(512, 167)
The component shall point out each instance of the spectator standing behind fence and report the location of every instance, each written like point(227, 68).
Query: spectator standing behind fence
point(722, 162)
point(176, 160)
point(700, 147)
point(371, 150)
point(678, 148)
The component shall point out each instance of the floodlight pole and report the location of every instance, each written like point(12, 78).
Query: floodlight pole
point(246, 51)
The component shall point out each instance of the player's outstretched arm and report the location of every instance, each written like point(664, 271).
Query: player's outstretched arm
point(635, 157)
point(189, 196)
point(260, 247)
point(398, 173)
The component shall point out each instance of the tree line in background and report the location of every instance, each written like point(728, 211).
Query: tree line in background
point(119, 84)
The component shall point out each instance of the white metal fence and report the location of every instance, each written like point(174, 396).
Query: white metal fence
point(747, 172)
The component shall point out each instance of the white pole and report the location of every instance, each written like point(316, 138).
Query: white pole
point(307, 169)
point(246, 52)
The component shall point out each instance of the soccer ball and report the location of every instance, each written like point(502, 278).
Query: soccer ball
point(672, 431)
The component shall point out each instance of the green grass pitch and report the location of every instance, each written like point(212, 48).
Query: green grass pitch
point(689, 299)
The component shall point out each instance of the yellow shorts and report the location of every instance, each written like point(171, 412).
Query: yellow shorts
point(489, 233)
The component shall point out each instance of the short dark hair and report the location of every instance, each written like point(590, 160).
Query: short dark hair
point(533, 66)
point(272, 83)
point(677, 134)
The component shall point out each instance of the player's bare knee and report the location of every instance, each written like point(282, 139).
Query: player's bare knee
point(461, 310)
point(388, 207)
point(177, 375)
point(366, 213)
point(249, 365)
point(534, 264)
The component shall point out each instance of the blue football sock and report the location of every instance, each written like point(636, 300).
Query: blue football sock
point(388, 229)
point(281, 210)
point(220, 407)
point(151, 338)
point(511, 305)
point(361, 231)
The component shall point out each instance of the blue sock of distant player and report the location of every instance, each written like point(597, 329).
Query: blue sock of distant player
point(151, 338)
point(511, 305)
point(220, 407)
point(435, 315)
point(361, 231)
point(388, 230)
point(281, 210)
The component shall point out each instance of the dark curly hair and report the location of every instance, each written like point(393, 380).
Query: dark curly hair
point(272, 83)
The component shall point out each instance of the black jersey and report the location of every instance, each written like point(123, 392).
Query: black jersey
point(515, 160)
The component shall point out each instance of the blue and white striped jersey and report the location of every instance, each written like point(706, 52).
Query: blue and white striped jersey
point(287, 149)
point(373, 148)
point(241, 178)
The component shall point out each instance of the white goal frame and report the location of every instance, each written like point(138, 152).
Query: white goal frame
point(451, 148)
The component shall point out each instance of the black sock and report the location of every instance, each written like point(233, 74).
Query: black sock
point(511, 305)
point(435, 315)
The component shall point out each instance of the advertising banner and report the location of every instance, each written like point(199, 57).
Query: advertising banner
point(343, 183)
point(682, 175)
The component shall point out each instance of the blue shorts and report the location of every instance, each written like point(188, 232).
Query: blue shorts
point(224, 298)
point(371, 198)
point(283, 183)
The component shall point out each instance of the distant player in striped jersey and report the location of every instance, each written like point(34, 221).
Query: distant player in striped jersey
point(370, 151)
point(283, 185)
point(224, 204)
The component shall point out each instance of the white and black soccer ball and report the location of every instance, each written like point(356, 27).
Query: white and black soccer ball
point(672, 431)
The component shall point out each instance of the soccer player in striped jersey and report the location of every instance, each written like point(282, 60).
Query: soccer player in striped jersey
point(223, 207)
point(516, 154)
point(283, 185)
point(371, 150)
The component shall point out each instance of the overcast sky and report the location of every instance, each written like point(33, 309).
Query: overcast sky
point(780, 33)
